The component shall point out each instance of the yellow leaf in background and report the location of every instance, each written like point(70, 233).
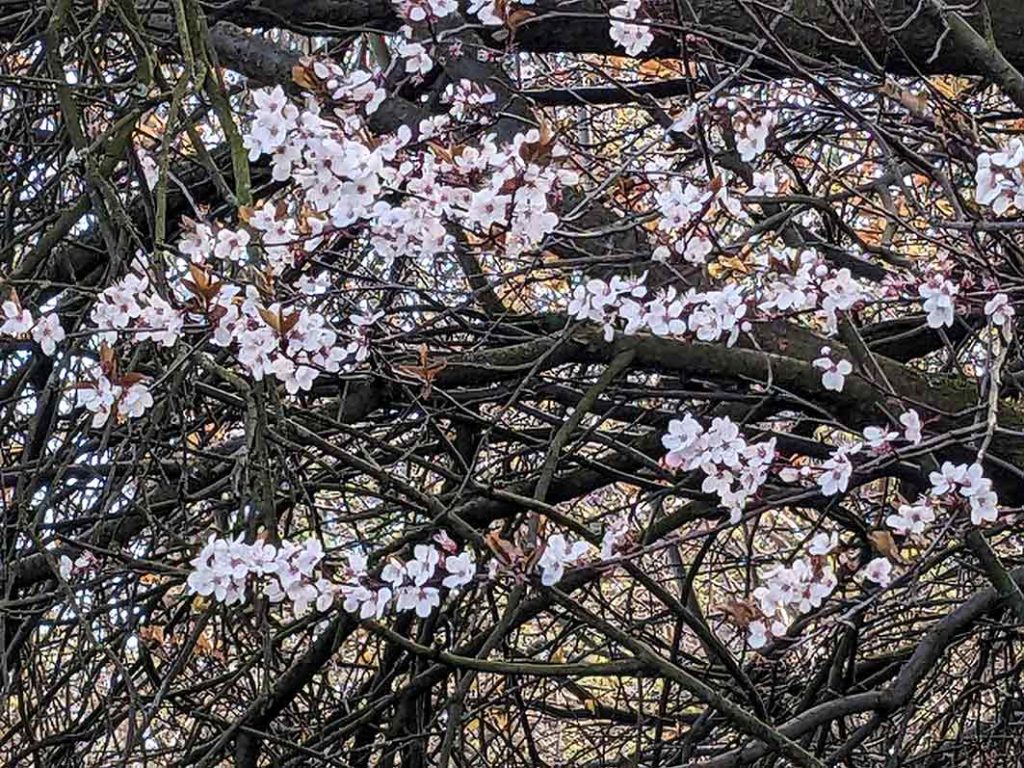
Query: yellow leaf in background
point(518, 17)
point(304, 78)
point(915, 103)
point(884, 543)
point(204, 645)
point(153, 635)
point(666, 68)
point(590, 705)
point(871, 235)
point(950, 87)
point(735, 264)
point(440, 151)
point(726, 265)
point(739, 612)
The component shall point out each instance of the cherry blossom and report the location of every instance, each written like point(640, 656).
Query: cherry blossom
point(420, 599)
point(461, 570)
point(367, 603)
point(837, 471)
point(758, 634)
point(969, 482)
point(160, 322)
point(1000, 182)
point(422, 10)
point(938, 294)
point(198, 242)
point(468, 98)
point(230, 569)
point(834, 373)
point(273, 118)
point(134, 401)
point(911, 422)
point(48, 333)
point(559, 553)
point(878, 438)
point(947, 477)
point(795, 589)
point(633, 38)
point(614, 538)
point(99, 398)
point(68, 568)
point(823, 544)
point(486, 11)
point(764, 184)
point(999, 310)
point(118, 306)
point(879, 571)
point(752, 135)
point(841, 291)
point(417, 62)
point(912, 518)
point(16, 319)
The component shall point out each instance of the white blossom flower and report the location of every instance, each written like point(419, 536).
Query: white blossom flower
point(48, 333)
point(938, 294)
point(836, 474)
point(135, 401)
point(912, 518)
point(1000, 312)
point(461, 570)
point(757, 634)
point(559, 553)
point(834, 373)
point(822, 544)
point(879, 571)
point(911, 426)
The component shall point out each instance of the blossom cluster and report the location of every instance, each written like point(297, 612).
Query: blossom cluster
point(752, 134)
point(734, 470)
point(420, 11)
point(47, 331)
point(938, 295)
point(85, 563)
point(227, 570)
point(129, 304)
point(1000, 178)
point(559, 553)
point(707, 315)
point(834, 474)
point(625, 32)
point(128, 398)
point(683, 209)
point(468, 99)
point(966, 483)
point(787, 591)
point(485, 188)
point(804, 282)
point(341, 179)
